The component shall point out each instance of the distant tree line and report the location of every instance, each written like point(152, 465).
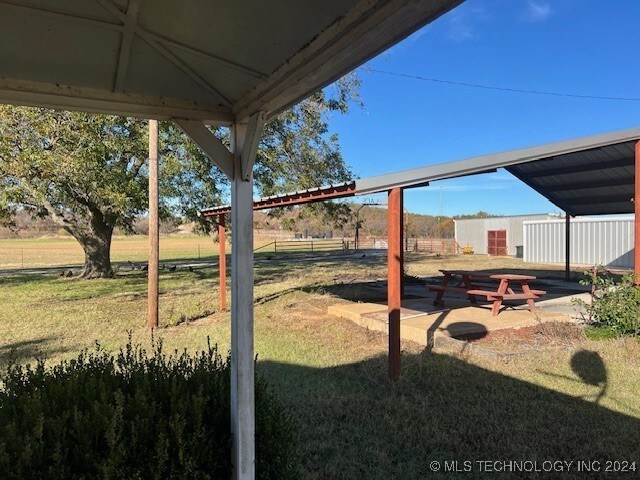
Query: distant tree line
point(372, 219)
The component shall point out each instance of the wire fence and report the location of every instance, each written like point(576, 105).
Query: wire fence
point(425, 245)
point(294, 246)
point(54, 253)
point(43, 255)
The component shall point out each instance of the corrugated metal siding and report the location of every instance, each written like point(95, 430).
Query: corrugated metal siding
point(606, 242)
point(472, 232)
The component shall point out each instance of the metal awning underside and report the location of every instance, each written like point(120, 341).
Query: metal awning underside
point(211, 60)
point(586, 176)
point(589, 182)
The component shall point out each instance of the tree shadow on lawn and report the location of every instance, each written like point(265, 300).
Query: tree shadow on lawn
point(28, 351)
point(353, 422)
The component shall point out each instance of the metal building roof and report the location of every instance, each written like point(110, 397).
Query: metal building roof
point(205, 60)
point(586, 176)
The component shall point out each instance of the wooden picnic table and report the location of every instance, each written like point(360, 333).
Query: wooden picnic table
point(464, 283)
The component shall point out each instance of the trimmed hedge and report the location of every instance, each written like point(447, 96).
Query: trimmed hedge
point(132, 416)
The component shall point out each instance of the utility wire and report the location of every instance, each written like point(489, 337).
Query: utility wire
point(499, 89)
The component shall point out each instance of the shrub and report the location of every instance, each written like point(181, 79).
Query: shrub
point(616, 305)
point(132, 416)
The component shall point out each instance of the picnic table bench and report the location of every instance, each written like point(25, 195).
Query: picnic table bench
point(465, 285)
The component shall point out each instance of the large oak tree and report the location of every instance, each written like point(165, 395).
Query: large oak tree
point(88, 173)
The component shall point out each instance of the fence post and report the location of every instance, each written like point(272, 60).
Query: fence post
point(275, 246)
point(311, 246)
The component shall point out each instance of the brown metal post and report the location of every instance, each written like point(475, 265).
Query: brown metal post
point(222, 261)
point(567, 247)
point(394, 281)
point(154, 230)
point(636, 202)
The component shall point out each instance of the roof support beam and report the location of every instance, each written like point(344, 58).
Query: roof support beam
point(598, 199)
point(614, 182)
point(622, 162)
point(252, 135)
point(552, 198)
point(211, 145)
point(162, 50)
point(126, 45)
point(20, 92)
point(52, 14)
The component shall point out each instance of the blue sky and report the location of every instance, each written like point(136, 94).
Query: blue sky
point(571, 46)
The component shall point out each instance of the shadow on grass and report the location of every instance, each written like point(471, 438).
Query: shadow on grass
point(27, 351)
point(354, 423)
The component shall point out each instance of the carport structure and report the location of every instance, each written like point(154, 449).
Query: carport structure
point(199, 63)
point(586, 176)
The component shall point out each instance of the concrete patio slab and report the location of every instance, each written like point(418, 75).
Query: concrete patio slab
point(421, 322)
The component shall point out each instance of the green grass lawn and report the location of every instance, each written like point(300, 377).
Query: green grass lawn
point(351, 422)
point(52, 252)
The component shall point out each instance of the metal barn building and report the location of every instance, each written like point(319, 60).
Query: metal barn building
point(593, 241)
point(494, 235)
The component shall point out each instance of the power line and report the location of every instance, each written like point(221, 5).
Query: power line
point(500, 89)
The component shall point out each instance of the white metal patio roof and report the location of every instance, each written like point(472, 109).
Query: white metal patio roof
point(201, 59)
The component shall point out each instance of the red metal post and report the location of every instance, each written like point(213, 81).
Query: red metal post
point(222, 261)
point(567, 247)
point(394, 281)
point(636, 202)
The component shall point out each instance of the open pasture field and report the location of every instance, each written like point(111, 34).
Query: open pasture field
point(65, 251)
point(331, 375)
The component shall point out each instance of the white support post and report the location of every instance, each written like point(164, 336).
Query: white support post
point(238, 165)
point(243, 138)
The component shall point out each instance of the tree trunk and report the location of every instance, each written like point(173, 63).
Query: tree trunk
point(96, 244)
